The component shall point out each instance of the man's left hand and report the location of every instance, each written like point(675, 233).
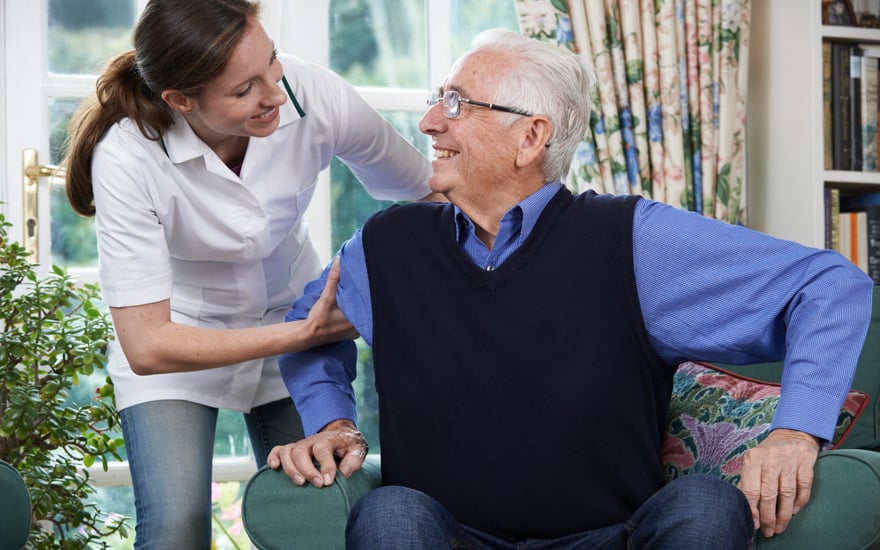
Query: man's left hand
point(777, 476)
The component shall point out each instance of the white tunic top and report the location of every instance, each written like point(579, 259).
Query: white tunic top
point(230, 252)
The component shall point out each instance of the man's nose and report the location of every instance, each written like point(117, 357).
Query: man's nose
point(433, 121)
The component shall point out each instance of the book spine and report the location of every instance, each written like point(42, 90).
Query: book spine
point(834, 219)
point(862, 240)
point(855, 106)
point(844, 241)
point(873, 231)
point(869, 113)
point(840, 138)
point(826, 106)
point(826, 207)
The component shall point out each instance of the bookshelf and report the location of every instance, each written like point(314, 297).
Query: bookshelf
point(786, 174)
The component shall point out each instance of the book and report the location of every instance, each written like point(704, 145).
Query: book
point(852, 202)
point(832, 219)
point(826, 105)
point(826, 206)
point(840, 111)
point(861, 240)
point(853, 237)
point(855, 106)
point(843, 243)
point(872, 223)
point(869, 71)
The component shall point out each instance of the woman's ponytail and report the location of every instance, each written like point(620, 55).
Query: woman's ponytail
point(120, 93)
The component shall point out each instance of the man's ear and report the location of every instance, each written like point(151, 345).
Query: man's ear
point(535, 139)
point(177, 101)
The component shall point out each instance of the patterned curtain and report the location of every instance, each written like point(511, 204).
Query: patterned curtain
point(668, 117)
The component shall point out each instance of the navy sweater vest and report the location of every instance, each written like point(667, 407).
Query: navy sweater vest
point(527, 400)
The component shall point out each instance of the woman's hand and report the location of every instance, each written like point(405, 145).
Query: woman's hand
point(326, 320)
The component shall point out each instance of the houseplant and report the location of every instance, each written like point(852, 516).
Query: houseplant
point(53, 336)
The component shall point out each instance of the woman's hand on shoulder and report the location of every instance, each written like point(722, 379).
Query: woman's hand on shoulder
point(326, 321)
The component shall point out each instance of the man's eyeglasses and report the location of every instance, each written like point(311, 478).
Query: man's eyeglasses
point(452, 104)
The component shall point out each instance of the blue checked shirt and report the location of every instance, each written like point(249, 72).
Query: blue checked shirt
point(708, 291)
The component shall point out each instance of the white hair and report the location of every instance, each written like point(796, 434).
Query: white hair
point(548, 80)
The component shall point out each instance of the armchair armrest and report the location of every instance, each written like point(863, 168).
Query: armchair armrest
point(278, 514)
point(844, 508)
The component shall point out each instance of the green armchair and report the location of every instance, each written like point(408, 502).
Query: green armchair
point(15, 509)
point(844, 513)
point(844, 509)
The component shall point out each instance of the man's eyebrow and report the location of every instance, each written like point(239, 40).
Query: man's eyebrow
point(450, 87)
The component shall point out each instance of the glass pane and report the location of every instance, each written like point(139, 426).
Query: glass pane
point(117, 501)
point(84, 34)
point(379, 42)
point(73, 236)
point(226, 523)
point(352, 205)
point(231, 437)
point(470, 17)
point(227, 527)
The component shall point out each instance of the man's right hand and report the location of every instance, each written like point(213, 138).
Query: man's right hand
point(339, 439)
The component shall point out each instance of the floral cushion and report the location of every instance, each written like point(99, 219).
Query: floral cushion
point(715, 416)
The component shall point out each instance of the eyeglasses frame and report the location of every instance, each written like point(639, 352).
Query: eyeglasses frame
point(437, 98)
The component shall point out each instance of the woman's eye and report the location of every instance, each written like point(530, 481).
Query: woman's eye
point(246, 91)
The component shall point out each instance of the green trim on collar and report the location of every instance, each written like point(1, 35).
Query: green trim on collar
point(293, 97)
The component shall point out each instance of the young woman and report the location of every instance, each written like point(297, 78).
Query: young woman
point(198, 156)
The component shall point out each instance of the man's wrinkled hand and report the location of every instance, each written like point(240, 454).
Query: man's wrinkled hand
point(339, 439)
point(777, 476)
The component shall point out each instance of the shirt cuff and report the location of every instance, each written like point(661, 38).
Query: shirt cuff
point(326, 407)
point(808, 412)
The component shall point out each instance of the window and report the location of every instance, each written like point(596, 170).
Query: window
point(393, 51)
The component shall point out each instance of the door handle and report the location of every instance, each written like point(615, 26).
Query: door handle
point(31, 172)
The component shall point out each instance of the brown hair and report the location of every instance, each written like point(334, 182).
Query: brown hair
point(178, 44)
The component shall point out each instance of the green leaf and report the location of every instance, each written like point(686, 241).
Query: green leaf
point(560, 5)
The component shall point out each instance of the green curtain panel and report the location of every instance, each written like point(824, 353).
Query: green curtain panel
point(668, 115)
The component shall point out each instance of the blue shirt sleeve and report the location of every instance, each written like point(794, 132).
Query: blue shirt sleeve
point(719, 292)
point(319, 379)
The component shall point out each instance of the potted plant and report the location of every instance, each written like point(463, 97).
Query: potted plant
point(52, 336)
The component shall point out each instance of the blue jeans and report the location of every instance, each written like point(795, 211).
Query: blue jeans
point(695, 511)
point(170, 446)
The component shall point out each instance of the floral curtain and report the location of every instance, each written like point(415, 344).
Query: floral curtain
point(668, 116)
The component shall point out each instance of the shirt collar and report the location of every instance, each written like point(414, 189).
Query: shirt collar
point(530, 210)
point(182, 144)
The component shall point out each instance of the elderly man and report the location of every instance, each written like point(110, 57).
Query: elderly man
point(525, 340)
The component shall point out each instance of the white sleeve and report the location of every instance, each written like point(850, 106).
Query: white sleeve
point(388, 166)
point(134, 265)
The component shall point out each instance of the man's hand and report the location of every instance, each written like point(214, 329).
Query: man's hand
point(338, 439)
point(777, 476)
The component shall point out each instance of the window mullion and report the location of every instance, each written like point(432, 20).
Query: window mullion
point(439, 49)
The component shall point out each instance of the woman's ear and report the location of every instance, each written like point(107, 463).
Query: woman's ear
point(534, 140)
point(177, 101)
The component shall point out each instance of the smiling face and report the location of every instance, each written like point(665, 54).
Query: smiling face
point(244, 100)
point(474, 154)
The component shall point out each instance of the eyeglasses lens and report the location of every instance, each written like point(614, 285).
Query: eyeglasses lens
point(451, 104)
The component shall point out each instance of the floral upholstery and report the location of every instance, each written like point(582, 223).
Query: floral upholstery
point(716, 416)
